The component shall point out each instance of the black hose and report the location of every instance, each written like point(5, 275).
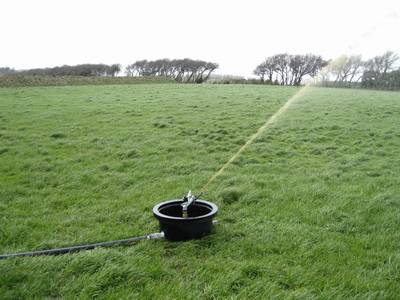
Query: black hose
point(77, 248)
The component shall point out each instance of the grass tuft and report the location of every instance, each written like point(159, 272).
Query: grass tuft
point(230, 195)
point(58, 135)
point(160, 125)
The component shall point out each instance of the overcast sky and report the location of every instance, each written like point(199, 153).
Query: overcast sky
point(236, 34)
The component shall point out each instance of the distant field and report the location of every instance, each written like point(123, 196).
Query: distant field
point(311, 210)
point(28, 81)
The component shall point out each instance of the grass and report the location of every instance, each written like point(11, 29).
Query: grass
point(43, 80)
point(310, 210)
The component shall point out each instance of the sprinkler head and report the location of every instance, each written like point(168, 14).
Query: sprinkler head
point(188, 200)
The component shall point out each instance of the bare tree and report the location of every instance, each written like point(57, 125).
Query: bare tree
point(304, 65)
point(130, 70)
point(380, 65)
point(210, 67)
point(282, 68)
point(290, 69)
point(113, 70)
point(346, 69)
point(356, 69)
point(260, 71)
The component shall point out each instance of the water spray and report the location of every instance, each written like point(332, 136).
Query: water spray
point(271, 120)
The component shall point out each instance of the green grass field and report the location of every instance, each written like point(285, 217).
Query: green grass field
point(311, 210)
point(43, 80)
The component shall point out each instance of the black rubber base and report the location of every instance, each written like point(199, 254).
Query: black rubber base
point(196, 225)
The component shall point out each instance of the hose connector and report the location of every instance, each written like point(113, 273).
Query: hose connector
point(156, 236)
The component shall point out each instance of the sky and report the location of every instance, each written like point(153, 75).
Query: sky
point(237, 35)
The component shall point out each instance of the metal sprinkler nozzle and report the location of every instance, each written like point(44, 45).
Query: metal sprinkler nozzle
point(188, 200)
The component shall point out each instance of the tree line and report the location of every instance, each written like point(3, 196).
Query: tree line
point(379, 72)
point(345, 71)
point(182, 70)
point(286, 69)
point(78, 70)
